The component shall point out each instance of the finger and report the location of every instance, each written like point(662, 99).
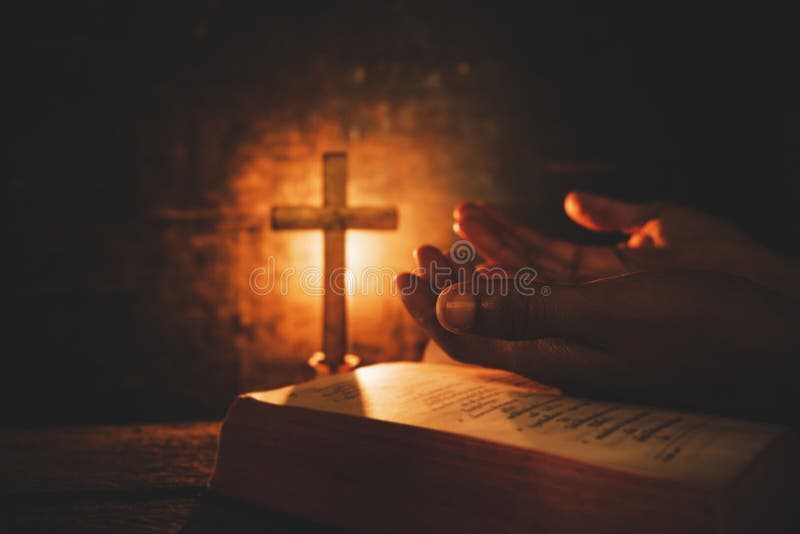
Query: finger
point(496, 234)
point(434, 267)
point(489, 242)
point(500, 272)
point(418, 298)
point(604, 214)
point(420, 302)
point(521, 231)
point(567, 262)
point(536, 247)
point(503, 229)
point(641, 240)
point(514, 310)
point(494, 270)
point(426, 255)
point(553, 361)
point(463, 265)
point(645, 258)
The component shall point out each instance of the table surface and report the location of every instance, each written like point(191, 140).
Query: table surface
point(129, 478)
point(132, 477)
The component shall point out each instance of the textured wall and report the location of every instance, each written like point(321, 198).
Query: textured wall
point(418, 139)
point(150, 143)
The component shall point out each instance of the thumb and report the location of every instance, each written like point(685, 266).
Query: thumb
point(604, 214)
point(500, 308)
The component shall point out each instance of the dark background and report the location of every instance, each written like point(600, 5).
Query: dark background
point(689, 105)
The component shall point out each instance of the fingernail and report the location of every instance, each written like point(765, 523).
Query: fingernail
point(456, 310)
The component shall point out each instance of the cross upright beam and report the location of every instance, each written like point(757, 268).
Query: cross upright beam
point(334, 218)
point(334, 314)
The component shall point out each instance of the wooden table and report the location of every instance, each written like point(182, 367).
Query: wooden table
point(132, 478)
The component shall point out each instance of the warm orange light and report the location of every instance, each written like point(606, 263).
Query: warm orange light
point(394, 158)
point(317, 362)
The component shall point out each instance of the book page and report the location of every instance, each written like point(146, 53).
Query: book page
point(502, 407)
point(433, 353)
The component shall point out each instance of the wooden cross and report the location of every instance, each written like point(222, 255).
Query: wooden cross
point(334, 218)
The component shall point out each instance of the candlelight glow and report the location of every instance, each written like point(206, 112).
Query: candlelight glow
point(394, 158)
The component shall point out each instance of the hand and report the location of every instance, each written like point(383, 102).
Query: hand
point(697, 339)
point(660, 236)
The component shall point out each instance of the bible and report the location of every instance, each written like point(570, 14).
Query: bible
point(409, 446)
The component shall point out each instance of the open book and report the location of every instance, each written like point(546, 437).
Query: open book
point(401, 446)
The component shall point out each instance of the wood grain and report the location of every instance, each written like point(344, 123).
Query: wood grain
point(144, 478)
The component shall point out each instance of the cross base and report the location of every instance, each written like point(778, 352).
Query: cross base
point(317, 362)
